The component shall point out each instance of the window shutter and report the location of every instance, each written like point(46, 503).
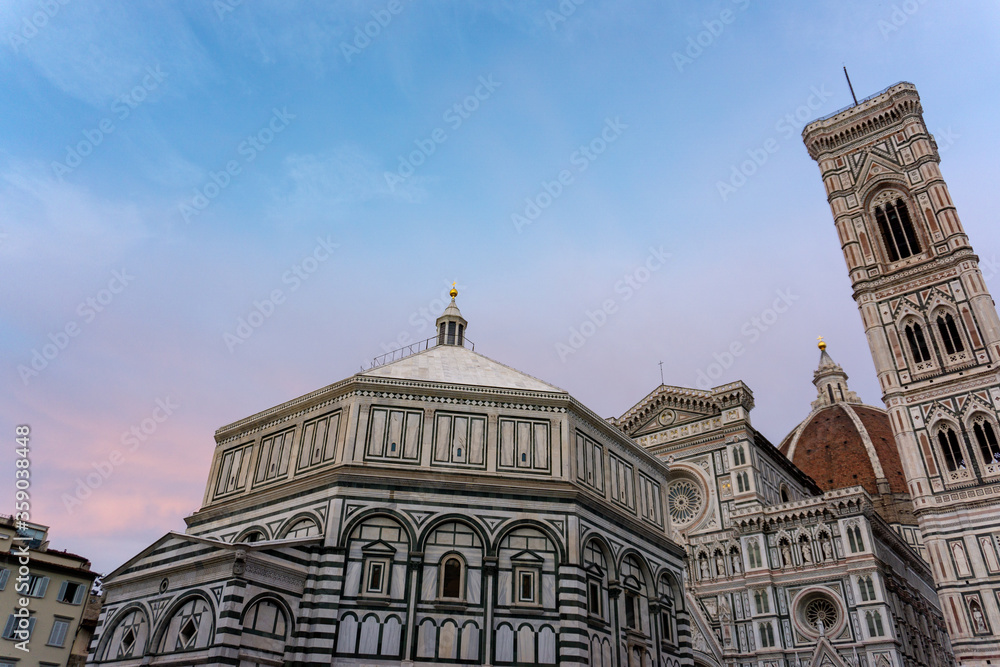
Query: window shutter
point(4, 573)
point(31, 621)
point(43, 586)
point(81, 590)
point(62, 592)
point(58, 635)
point(9, 628)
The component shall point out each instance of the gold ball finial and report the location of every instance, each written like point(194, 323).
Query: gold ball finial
point(822, 343)
point(453, 292)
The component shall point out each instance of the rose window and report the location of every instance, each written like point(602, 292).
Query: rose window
point(685, 499)
point(820, 610)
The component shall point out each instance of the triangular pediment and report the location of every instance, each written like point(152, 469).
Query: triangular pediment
point(876, 165)
point(529, 556)
point(826, 656)
point(172, 542)
point(378, 546)
point(666, 407)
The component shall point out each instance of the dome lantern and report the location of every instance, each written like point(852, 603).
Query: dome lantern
point(451, 325)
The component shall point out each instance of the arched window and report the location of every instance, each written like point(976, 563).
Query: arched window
point(127, 638)
point(742, 482)
point(918, 344)
point(874, 621)
point(897, 230)
point(949, 334)
point(762, 602)
point(192, 626)
point(267, 619)
point(753, 548)
point(784, 494)
point(634, 589)
point(766, 635)
point(596, 566)
point(739, 456)
point(987, 439)
point(854, 537)
point(667, 610)
point(302, 528)
point(953, 457)
point(251, 536)
point(867, 588)
point(452, 578)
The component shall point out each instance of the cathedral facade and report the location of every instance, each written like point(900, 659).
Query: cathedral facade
point(442, 508)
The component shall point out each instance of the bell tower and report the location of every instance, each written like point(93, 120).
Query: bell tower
point(934, 335)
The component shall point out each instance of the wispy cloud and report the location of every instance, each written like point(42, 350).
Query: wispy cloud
point(95, 52)
point(331, 182)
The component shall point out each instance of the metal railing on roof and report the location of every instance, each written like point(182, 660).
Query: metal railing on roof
point(860, 102)
point(419, 346)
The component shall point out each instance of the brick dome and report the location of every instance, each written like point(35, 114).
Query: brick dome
point(847, 444)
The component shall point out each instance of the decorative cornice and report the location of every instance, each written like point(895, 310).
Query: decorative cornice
point(938, 269)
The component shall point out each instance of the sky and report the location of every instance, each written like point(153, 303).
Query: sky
point(210, 208)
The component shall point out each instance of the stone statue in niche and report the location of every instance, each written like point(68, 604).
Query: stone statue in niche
point(786, 554)
point(806, 552)
point(978, 619)
point(720, 564)
point(735, 558)
point(827, 547)
point(703, 566)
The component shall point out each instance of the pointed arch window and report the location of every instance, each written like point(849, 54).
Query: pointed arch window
point(867, 588)
point(874, 620)
point(753, 551)
point(739, 456)
point(949, 334)
point(897, 230)
point(855, 539)
point(953, 457)
point(762, 602)
point(918, 343)
point(986, 438)
point(766, 635)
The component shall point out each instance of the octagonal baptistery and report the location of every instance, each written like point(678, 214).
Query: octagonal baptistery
point(441, 508)
point(844, 443)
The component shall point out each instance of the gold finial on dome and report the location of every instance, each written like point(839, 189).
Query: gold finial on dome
point(822, 343)
point(454, 292)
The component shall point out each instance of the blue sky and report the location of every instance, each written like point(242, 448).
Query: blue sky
point(167, 169)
